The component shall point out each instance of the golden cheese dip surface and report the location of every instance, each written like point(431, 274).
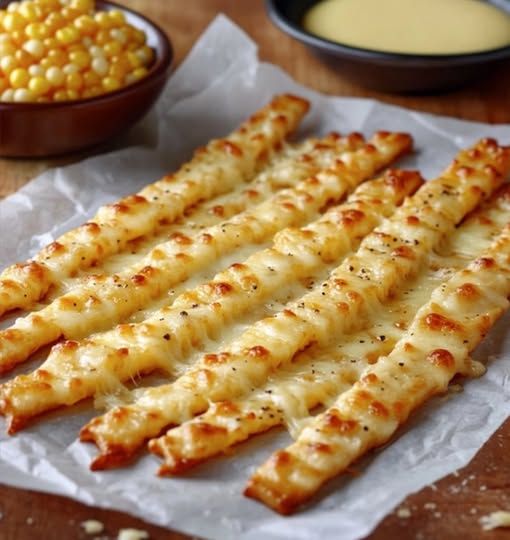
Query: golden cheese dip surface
point(434, 27)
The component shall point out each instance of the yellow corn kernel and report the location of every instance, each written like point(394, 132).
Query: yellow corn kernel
point(23, 58)
point(7, 95)
point(140, 73)
point(35, 48)
point(86, 25)
point(14, 21)
point(57, 57)
point(8, 64)
point(112, 48)
point(54, 21)
point(102, 36)
point(69, 13)
point(73, 94)
point(111, 83)
point(22, 95)
point(19, 78)
point(67, 35)
point(51, 42)
point(55, 76)
point(100, 65)
point(60, 95)
point(82, 5)
point(117, 17)
point(7, 48)
point(91, 78)
point(36, 70)
point(74, 81)
point(39, 86)
point(118, 71)
point(133, 59)
point(80, 57)
point(103, 20)
point(30, 11)
point(37, 30)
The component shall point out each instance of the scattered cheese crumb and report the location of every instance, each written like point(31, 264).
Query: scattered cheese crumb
point(132, 534)
point(92, 526)
point(495, 520)
point(430, 506)
point(403, 513)
point(29, 520)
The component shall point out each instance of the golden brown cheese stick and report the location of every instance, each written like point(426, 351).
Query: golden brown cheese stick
point(102, 301)
point(74, 371)
point(386, 258)
point(316, 376)
point(435, 348)
point(214, 169)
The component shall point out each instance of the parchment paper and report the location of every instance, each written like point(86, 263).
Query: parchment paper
point(219, 84)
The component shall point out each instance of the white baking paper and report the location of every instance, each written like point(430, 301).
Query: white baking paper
point(219, 84)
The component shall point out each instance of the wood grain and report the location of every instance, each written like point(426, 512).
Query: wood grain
point(448, 510)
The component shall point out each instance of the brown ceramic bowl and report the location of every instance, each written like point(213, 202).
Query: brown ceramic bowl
point(387, 72)
point(33, 130)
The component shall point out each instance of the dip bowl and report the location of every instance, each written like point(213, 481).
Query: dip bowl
point(36, 130)
point(383, 71)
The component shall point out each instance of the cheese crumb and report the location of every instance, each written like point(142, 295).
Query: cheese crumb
point(92, 526)
point(495, 520)
point(403, 513)
point(132, 534)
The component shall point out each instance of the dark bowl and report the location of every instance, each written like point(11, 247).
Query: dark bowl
point(387, 72)
point(34, 130)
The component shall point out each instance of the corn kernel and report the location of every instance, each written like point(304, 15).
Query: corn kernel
point(103, 20)
point(37, 30)
point(8, 64)
point(34, 47)
point(22, 95)
point(82, 5)
point(67, 35)
point(60, 95)
point(7, 95)
point(7, 48)
point(74, 81)
point(111, 83)
point(91, 78)
point(80, 58)
point(19, 78)
point(23, 58)
point(140, 73)
point(72, 94)
point(100, 65)
point(55, 76)
point(14, 21)
point(57, 57)
point(112, 48)
point(36, 70)
point(86, 25)
point(38, 86)
point(117, 17)
point(30, 11)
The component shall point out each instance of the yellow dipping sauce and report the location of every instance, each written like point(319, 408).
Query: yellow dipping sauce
point(411, 26)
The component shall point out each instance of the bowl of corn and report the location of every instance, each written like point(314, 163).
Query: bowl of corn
point(75, 73)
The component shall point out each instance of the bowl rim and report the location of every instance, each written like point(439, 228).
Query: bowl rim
point(160, 67)
point(296, 31)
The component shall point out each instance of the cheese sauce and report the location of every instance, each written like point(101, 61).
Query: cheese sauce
point(411, 26)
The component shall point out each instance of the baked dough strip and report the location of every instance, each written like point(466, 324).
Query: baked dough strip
point(102, 301)
point(386, 258)
point(75, 370)
point(317, 377)
point(435, 348)
point(214, 169)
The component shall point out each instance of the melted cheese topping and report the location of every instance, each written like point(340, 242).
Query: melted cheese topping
point(437, 27)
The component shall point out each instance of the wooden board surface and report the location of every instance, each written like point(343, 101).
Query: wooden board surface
point(448, 510)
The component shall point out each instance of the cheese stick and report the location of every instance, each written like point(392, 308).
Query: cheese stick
point(435, 348)
point(214, 169)
point(102, 301)
point(387, 257)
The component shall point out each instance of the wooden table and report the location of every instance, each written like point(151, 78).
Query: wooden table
point(448, 510)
